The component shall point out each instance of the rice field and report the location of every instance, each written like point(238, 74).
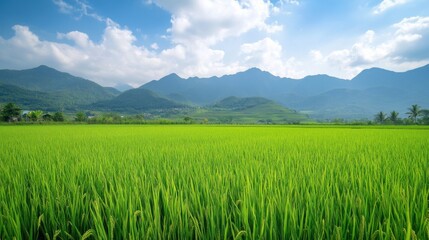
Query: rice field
point(213, 182)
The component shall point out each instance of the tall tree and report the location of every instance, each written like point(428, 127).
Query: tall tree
point(394, 116)
point(414, 112)
point(58, 117)
point(10, 112)
point(380, 117)
point(80, 117)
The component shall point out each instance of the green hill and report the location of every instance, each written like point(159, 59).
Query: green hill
point(36, 100)
point(248, 110)
point(136, 100)
point(71, 91)
point(28, 99)
point(235, 103)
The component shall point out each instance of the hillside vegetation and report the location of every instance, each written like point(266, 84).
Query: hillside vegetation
point(248, 110)
point(69, 92)
point(135, 101)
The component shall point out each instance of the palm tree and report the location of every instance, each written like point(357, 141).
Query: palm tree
point(35, 115)
point(414, 112)
point(380, 117)
point(394, 116)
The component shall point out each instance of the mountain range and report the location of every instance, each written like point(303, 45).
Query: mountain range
point(319, 96)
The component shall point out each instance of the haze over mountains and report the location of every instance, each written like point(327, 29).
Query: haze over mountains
point(319, 96)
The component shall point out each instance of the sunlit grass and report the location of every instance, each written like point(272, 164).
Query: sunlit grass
point(213, 182)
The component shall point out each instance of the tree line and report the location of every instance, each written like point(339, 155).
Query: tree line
point(11, 112)
point(416, 115)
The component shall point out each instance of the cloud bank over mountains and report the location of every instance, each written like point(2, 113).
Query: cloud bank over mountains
point(216, 37)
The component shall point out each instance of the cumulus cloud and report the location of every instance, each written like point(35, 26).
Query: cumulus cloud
point(412, 24)
point(79, 38)
point(117, 58)
point(387, 4)
point(210, 22)
point(267, 54)
point(411, 39)
point(363, 52)
point(196, 29)
point(406, 43)
point(198, 26)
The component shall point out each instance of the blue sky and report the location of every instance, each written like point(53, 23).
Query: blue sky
point(135, 41)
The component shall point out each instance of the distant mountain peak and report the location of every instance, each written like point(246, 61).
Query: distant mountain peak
point(376, 70)
point(172, 76)
point(317, 76)
point(373, 73)
point(254, 72)
point(321, 77)
point(44, 67)
point(253, 69)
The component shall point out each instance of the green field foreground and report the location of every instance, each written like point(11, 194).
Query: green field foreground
point(213, 182)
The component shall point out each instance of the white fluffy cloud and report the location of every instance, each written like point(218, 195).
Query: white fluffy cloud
point(267, 55)
point(387, 4)
point(412, 25)
point(200, 34)
point(363, 52)
point(209, 22)
point(411, 42)
point(407, 43)
point(115, 59)
point(197, 27)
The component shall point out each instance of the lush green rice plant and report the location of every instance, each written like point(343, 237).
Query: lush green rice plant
point(213, 182)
